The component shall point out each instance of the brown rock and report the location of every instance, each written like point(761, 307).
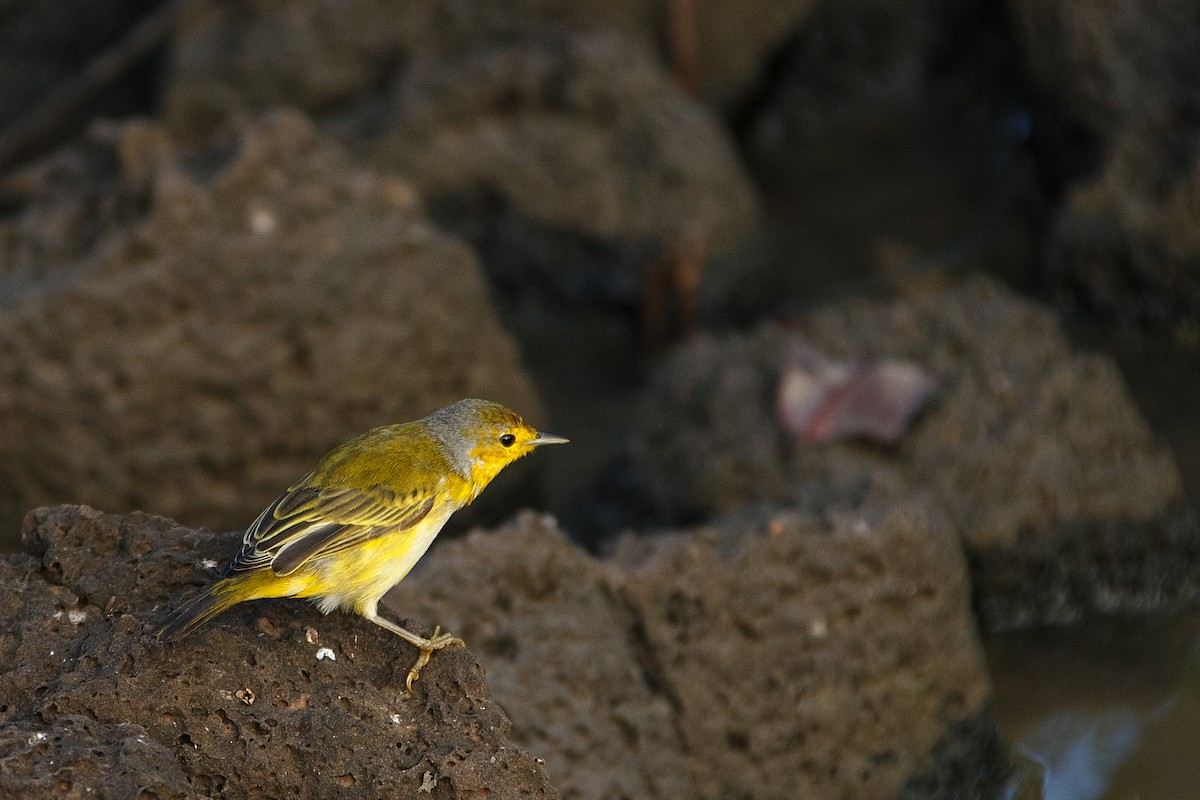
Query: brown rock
point(826, 660)
point(556, 638)
point(261, 54)
point(244, 708)
point(75, 757)
point(839, 654)
point(584, 132)
point(275, 300)
point(756, 658)
point(1037, 453)
point(1126, 241)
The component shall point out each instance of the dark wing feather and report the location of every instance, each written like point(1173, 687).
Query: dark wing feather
point(306, 522)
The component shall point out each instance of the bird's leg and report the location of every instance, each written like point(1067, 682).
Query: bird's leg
point(426, 646)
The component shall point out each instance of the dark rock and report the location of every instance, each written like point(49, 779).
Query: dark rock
point(271, 300)
point(561, 656)
point(587, 132)
point(837, 655)
point(762, 656)
point(245, 707)
point(574, 165)
point(1034, 450)
point(1126, 241)
point(969, 762)
point(75, 757)
point(260, 55)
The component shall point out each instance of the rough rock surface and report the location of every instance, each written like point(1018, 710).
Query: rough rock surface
point(764, 656)
point(244, 708)
point(575, 166)
point(586, 132)
point(1038, 454)
point(1121, 84)
point(273, 300)
point(75, 757)
point(69, 201)
point(318, 57)
point(839, 653)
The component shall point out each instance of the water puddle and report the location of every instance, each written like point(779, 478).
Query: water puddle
point(1108, 710)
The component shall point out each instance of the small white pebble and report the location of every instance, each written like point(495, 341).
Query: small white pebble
point(37, 737)
point(209, 563)
point(77, 617)
point(51, 652)
point(57, 615)
point(395, 719)
point(262, 221)
point(311, 635)
point(324, 653)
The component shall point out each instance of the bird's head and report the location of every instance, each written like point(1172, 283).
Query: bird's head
point(485, 437)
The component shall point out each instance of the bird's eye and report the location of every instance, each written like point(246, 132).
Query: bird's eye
point(508, 440)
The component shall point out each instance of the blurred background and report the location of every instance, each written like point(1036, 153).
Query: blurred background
point(234, 233)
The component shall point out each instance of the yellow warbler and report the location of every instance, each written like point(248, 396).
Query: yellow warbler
point(353, 527)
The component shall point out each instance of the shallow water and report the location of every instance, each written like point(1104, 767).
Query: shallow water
point(1107, 710)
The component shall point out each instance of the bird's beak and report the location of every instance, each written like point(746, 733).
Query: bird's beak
point(548, 438)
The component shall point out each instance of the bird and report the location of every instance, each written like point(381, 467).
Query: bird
point(351, 529)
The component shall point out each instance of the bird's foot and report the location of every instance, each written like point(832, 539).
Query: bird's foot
point(427, 646)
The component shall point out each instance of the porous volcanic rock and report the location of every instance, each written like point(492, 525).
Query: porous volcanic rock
point(549, 622)
point(271, 300)
point(834, 654)
point(566, 155)
point(243, 708)
point(75, 757)
point(1065, 501)
point(586, 132)
point(1119, 130)
point(762, 656)
point(261, 54)
point(572, 164)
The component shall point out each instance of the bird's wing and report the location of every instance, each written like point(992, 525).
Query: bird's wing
point(307, 521)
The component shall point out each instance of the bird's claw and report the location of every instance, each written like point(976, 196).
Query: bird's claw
point(427, 646)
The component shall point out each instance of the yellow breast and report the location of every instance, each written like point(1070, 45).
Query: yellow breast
point(356, 578)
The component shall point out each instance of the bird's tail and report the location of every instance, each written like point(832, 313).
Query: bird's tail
point(195, 612)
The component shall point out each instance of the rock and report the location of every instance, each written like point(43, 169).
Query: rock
point(823, 658)
point(570, 159)
point(574, 162)
point(271, 300)
point(244, 708)
point(826, 660)
point(1119, 88)
point(1037, 453)
point(75, 757)
point(69, 201)
point(851, 63)
point(840, 653)
point(257, 54)
point(561, 656)
point(585, 132)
